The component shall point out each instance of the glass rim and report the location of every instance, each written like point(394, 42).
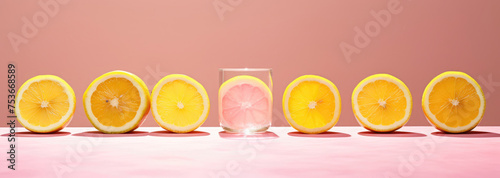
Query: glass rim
point(245, 69)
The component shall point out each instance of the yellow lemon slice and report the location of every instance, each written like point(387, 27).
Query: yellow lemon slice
point(117, 102)
point(45, 103)
point(453, 102)
point(382, 103)
point(311, 104)
point(180, 104)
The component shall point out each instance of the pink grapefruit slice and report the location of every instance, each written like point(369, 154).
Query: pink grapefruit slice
point(245, 105)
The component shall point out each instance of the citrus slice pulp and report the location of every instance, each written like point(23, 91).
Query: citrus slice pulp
point(116, 102)
point(179, 103)
point(382, 103)
point(245, 105)
point(45, 104)
point(311, 104)
point(453, 102)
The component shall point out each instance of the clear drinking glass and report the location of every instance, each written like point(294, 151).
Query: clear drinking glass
point(240, 117)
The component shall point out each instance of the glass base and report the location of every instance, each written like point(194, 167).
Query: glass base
point(246, 131)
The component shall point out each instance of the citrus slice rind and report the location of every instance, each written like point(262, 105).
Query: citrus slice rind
point(65, 101)
point(333, 98)
point(389, 96)
point(186, 101)
point(243, 112)
point(470, 94)
point(137, 86)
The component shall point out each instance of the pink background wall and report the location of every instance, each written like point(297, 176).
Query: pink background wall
point(80, 40)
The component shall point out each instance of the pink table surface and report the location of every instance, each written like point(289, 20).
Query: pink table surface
point(281, 152)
